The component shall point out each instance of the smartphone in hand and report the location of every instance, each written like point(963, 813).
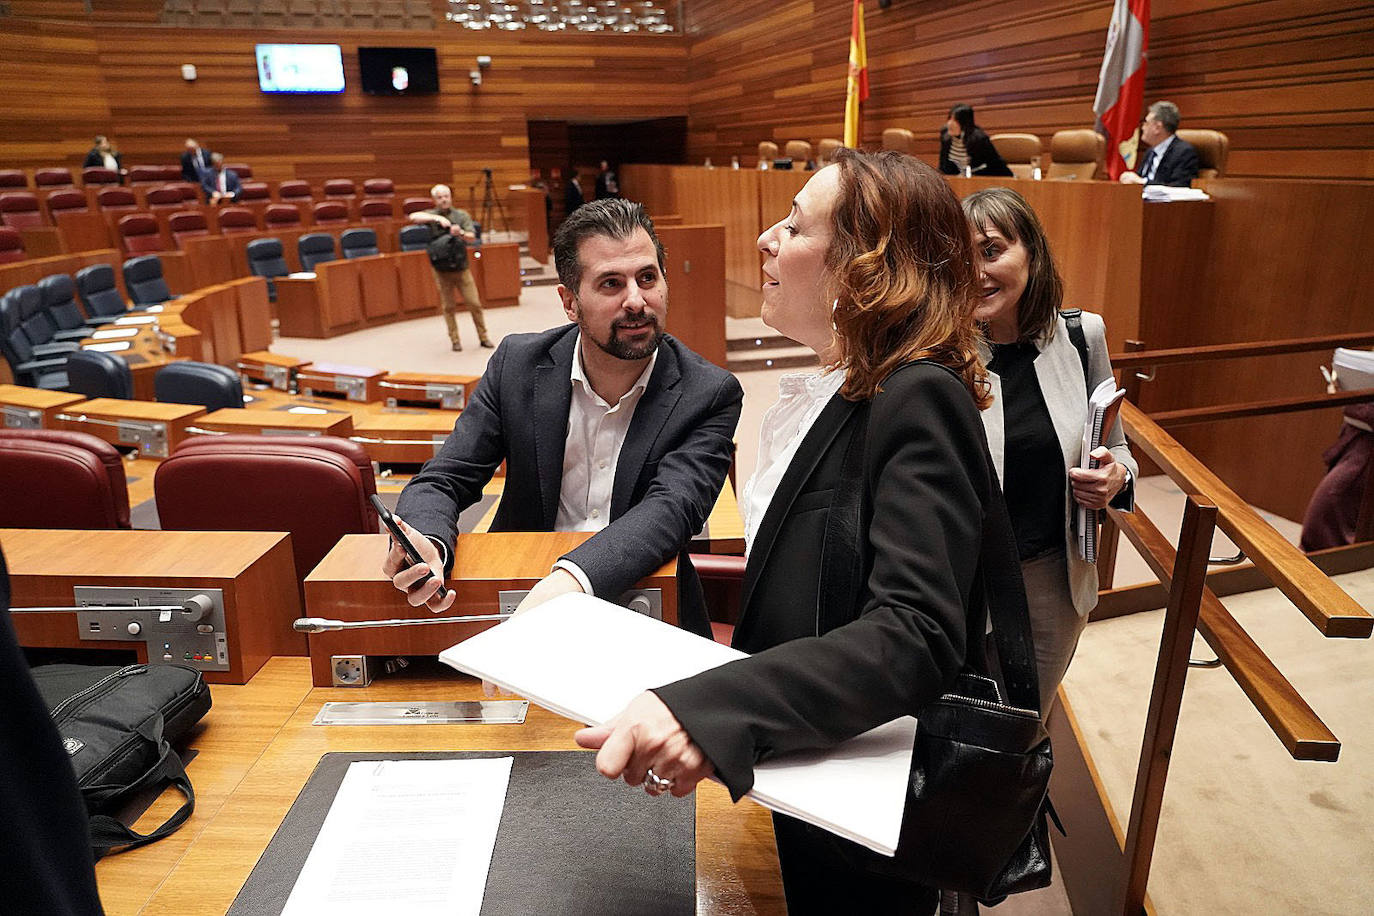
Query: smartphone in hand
point(398, 535)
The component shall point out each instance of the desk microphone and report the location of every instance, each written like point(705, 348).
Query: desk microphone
point(321, 624)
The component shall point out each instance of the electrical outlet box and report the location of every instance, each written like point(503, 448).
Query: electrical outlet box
point(350, 671)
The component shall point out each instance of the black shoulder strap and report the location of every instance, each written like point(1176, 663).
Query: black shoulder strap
point(1073, 319)
point(999, 565)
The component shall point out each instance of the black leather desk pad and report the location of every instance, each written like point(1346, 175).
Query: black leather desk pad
point(570, 842)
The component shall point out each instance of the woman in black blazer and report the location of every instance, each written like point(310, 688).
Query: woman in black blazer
point(874, 270)
point(963, 144)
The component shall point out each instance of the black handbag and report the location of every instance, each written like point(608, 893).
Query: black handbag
point(977, 800)
point(118, 726)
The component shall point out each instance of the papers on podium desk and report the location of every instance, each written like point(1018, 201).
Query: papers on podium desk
point(1354, 369)
point(1161, 193)
point(585, 659)
point(1103, 407)
point(405, 836)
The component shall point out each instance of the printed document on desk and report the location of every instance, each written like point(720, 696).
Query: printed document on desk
point(585, 659)
point(406, 836)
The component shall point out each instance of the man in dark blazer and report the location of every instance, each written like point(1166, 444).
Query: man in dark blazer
point(1170, 160)
point(195, 161)
point(220, 184)
point(605, 425)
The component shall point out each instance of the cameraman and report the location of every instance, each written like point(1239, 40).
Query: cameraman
point(450, 230)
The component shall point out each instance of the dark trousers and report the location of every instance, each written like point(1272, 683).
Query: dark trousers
point(823, 874)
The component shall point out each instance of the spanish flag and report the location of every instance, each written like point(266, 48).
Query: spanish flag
point(858, 77)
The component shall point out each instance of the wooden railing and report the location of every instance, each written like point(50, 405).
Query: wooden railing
point(1193, 607)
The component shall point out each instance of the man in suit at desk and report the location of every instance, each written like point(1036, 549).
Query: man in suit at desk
point(220, 184)
point(605, 425)
point(1171, 160)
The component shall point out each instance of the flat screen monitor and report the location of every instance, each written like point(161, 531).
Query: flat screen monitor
point(399, 71)
point(300, 68)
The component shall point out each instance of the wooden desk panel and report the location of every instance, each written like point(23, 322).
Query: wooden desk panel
point(270, 368)
point(404, 435)
point(737, 870)
point(254, 569)
point(102, 418)
point(450, 392)
point(83, 231)
point(34, 408)
point(210, 259)
point(42, 241)
point(496, 270)
point(327, 304)
point(254, 313)
point(277, 422)
point(348, 585)
point(696, 266)
point(419, 295)
point(532, 203)
point(360, 384)
point(380, 287)
point(34, 268)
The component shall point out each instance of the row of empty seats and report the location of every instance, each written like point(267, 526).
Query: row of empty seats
point(42, 324)
point(266, 257)
point(297, 14)
point(57, 177)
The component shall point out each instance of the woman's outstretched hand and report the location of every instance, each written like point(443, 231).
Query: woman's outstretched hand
point(646, 735)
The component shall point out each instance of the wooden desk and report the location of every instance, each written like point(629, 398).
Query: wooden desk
point(348, 585)
point(402, 435)
point(419, 295)
point(256, 749)
point(277, 422)
point(270, 368)
point(153, 428)
point(531, 204)
point(380, 286)
point(360, 384)
point(211, 259)
point(23, 407)
point(143, 351)
point(326, 304)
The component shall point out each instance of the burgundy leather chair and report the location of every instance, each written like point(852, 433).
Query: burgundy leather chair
point(19, 210)
point(59, 479)
point(116, 199)
point(722, 577)
point(165, 197)
point(282, 215)
point(329, 213)
point(11, 245)
point(255, 190)
point(295, 189)
point(241, 169)
point(315, 487)
point(52, 177)
point(67, 200)
point(13, 178)
point(98, 175)
point(340, 187)
point(377, 208)
point(186, 224)
point(384, 187)
point(237, 219)
point(140, 234)
point(412, 204)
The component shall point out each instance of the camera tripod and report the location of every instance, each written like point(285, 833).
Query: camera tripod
point(491, 202)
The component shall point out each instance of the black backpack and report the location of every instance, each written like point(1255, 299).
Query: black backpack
point(447, 252)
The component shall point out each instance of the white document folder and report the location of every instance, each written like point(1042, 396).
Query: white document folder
point(585, 659)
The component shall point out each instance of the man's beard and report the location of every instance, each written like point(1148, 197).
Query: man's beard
point(620, 348)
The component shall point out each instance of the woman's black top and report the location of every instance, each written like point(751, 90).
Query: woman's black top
point(983, 157)
point(1032, 464)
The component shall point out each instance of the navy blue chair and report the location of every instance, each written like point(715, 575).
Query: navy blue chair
point(315, 248)
point(265, 259)
point(102, 298)
point(358, 243)
point(207, 384)
point(414, 237)
point(97, 374)
point(144, 281)
point(28, 367)
point(58, 294)
point(25, 304)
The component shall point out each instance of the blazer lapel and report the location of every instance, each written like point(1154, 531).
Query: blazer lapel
point(552, 399)
point(660, 396)
point(816, 443)
point(1060, 374)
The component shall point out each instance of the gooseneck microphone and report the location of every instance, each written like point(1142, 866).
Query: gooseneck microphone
point(322, 624)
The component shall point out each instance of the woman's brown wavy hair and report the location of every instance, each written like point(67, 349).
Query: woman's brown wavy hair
point(905, 279)
point(1037, 314)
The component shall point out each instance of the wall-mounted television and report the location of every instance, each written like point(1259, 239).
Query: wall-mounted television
point(300, 68)
point(399, 71)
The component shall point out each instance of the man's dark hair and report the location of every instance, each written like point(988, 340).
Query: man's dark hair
point(613, 217)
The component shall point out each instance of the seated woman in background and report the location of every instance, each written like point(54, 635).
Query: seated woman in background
point(965, 145)
point(1035, 423)
point(873, 269)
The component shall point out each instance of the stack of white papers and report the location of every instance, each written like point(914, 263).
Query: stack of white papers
point(1162, 193)
point(1103, 407)
point(1354, 369)
point(586, 659)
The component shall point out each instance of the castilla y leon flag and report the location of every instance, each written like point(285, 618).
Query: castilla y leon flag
point(1121, 85)
point(858, 77)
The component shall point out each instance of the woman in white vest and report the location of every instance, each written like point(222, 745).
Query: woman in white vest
point(1040, 385)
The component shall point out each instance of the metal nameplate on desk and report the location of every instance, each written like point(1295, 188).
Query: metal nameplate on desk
point(481, 712)
point(21, 417)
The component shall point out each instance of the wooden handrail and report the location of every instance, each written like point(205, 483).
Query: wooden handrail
point(1176, 355)
point(1191, 415)
point(1292, 721)
point(1325, 604)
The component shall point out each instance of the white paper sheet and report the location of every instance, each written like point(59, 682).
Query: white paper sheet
point(405, 836)
point(585, 659)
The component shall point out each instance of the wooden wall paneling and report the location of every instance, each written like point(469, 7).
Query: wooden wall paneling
point(1289, 81)
point(651, 185)
point(729, 198)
